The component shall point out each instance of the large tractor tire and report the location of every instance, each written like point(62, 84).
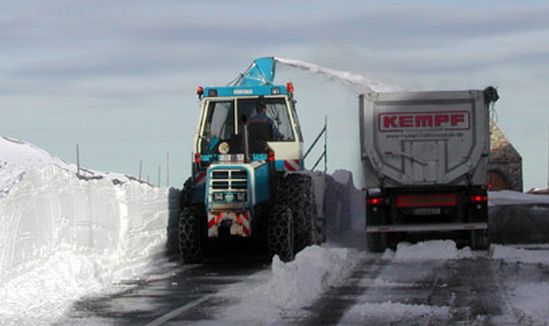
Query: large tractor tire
point(280, 233)
point(377, 242)
point(177, 199)
point(190, 237)
point(186, 194)
point(296, 192)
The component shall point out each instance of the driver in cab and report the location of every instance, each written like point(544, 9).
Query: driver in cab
point(262, 117)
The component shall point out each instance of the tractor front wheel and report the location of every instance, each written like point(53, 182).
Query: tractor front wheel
point(296, 191)
point(280, 233)
point(190, 240)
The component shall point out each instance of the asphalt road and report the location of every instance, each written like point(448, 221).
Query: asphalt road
point(184, 295)
point(459, 292)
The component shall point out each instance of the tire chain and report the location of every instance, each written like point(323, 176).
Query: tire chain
point(186, 194)
point(190, 247)
point(280, 233)
point(295, 191)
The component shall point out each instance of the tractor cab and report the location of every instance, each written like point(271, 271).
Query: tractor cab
point(266, 112)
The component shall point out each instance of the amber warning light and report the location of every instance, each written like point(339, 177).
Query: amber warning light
point(200, 91)
point(290, 87)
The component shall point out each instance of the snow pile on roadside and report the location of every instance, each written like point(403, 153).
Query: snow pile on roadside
point(431, 250)
point(527, 294)
point(64, 236)
point(395, 312)
point(508, 197)
point(292, 285)
point(531, 300)
point(17, 157)
point(511, 254)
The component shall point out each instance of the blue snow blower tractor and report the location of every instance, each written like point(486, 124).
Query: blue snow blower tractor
point(247, 175)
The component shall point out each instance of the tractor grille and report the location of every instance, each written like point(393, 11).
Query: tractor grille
point(229, 180)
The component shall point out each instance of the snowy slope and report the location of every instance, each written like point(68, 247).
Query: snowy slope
point(64, 236)
point(508, 197)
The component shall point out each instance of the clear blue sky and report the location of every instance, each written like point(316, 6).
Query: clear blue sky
point(119, 77)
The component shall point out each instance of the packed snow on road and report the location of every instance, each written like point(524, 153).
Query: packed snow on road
point(67, 236)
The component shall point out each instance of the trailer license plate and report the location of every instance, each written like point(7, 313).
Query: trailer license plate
point(427, 211)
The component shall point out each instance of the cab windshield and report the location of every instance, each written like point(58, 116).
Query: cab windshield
point(274, 113)
point(221, 117)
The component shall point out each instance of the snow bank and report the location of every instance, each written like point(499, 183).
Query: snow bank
point(508, 197)
point(431, 250)
point(515, 217)
point(64, 236)
point(511, 254)
point(394, 312)
point(345, 211)
point(292, 285)
point(526, 294)
point(531, 300)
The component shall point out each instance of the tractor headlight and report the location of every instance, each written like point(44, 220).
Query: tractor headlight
point(241, 196)
point(218, 196)
point(224, 148)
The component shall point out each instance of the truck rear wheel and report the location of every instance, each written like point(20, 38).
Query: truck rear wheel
point(190, 242)
point(377, 242)
point(296, 191)
point(280, 233)
point(479, 241)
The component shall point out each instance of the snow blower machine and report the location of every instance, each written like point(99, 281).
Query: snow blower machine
point(247, 175)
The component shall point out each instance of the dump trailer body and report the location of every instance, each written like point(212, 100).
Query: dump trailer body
point(425, 138)
point(425, 157)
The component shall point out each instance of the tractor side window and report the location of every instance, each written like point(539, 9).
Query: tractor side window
point(276, 114)
point(219, 124)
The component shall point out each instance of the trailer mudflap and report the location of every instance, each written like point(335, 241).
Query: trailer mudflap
point(426, 227)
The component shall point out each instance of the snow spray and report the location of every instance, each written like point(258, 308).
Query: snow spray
point(357, 82)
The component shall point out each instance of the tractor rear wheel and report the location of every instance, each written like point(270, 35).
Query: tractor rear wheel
point(190, 238)
point(280, 233)
point(296, 191)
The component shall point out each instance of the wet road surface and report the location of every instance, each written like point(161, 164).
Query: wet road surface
point(185, 294)
point(379, 291)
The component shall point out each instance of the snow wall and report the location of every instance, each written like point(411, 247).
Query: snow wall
point(52, 210)
point(515, 218)
point(64, 235)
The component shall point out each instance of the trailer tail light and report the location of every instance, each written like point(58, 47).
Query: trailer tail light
point(428, 200)
point(375, 201)
point(479, 199)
